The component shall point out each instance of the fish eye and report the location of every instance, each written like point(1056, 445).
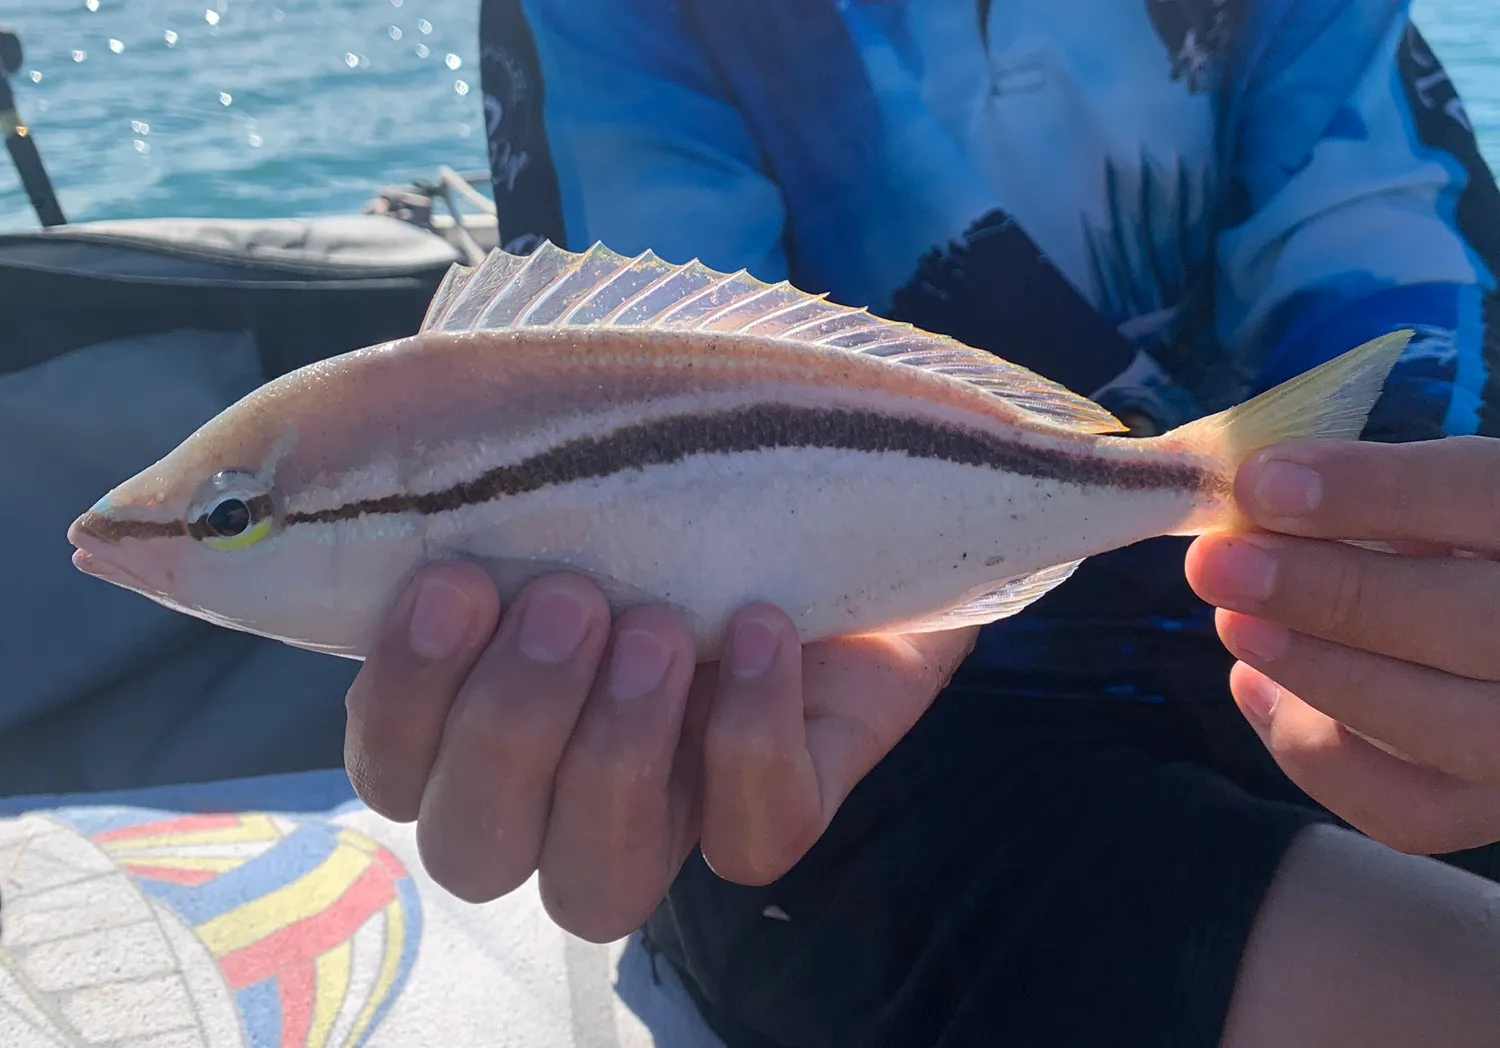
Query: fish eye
point(233, 510)
point(228, 519)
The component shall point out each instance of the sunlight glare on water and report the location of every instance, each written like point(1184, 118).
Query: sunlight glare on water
point(241, 108)
point(258, 108)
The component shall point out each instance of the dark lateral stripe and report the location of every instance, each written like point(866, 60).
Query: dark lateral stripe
point(764, 426)
point(113, 529)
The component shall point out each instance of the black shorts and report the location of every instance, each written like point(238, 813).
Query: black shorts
point(1017, 872)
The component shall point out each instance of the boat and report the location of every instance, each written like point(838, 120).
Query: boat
point(117, 339)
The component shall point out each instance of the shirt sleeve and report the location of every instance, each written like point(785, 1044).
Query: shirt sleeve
point(642, 147)
point(1360, 204)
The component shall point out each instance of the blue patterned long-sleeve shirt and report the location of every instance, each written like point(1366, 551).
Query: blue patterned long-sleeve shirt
point(1165, 204)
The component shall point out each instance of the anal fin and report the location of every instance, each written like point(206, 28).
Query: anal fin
point(1373, 545)
point(1008, 598)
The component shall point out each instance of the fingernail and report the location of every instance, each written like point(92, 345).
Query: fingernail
point(1258, 695)
point(1240, 572)
point(1262, 640)
point(752, 648)
point(1287, 489)
point(441, 615)
point(638, 664)
point(552, 626)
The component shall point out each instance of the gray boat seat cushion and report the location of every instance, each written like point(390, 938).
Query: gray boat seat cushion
point(101, 688)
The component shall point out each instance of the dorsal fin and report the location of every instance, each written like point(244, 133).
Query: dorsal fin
point(552, 287)
point(453, 282)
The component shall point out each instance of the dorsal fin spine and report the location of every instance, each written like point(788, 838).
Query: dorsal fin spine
point(503, 292)
point(814, 322)
point(707, 289)
point(447, 291)
point(861, 325)
point(791, 307)
point(647, 256)
point(547, 292)
point(705, 322)
point(544, 257)
point(594, 252)
point(788, 333)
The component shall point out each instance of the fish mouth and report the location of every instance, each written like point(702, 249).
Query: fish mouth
point(91, 555)
point(83, 534)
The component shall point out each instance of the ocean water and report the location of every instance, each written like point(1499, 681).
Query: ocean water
point(256, 108)
point(244, 108)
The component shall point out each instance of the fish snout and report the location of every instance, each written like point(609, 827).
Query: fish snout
point(87, 535)
point(89, 530)
point(101, 552)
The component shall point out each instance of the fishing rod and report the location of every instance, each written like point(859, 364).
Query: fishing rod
point(18, 141)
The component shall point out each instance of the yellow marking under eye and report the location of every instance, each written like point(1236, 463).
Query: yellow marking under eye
point(249, 537)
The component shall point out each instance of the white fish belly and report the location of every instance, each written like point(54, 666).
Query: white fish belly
point(842, 541)
point(328, 588)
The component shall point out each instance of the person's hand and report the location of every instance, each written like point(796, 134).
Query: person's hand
point(597, 755)
point(1372, 677)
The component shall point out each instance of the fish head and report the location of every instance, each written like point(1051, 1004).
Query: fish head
point(204, 531)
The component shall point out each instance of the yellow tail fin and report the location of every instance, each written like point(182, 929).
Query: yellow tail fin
point(1330, 402)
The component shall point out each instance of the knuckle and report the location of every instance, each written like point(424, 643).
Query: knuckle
point(1390, 491)
point(510, 732)
point(384, 700)
point(365, 692)
point(478, 718)
point(378, 793)
point(1348, 597)
point(387, 777)
point(1338, 676)
point(740, 745)
point(621, 769)
point(622, 755)
point(355, 700)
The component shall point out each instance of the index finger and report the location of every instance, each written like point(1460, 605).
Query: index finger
point(1444, 491)
point(399, 702)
